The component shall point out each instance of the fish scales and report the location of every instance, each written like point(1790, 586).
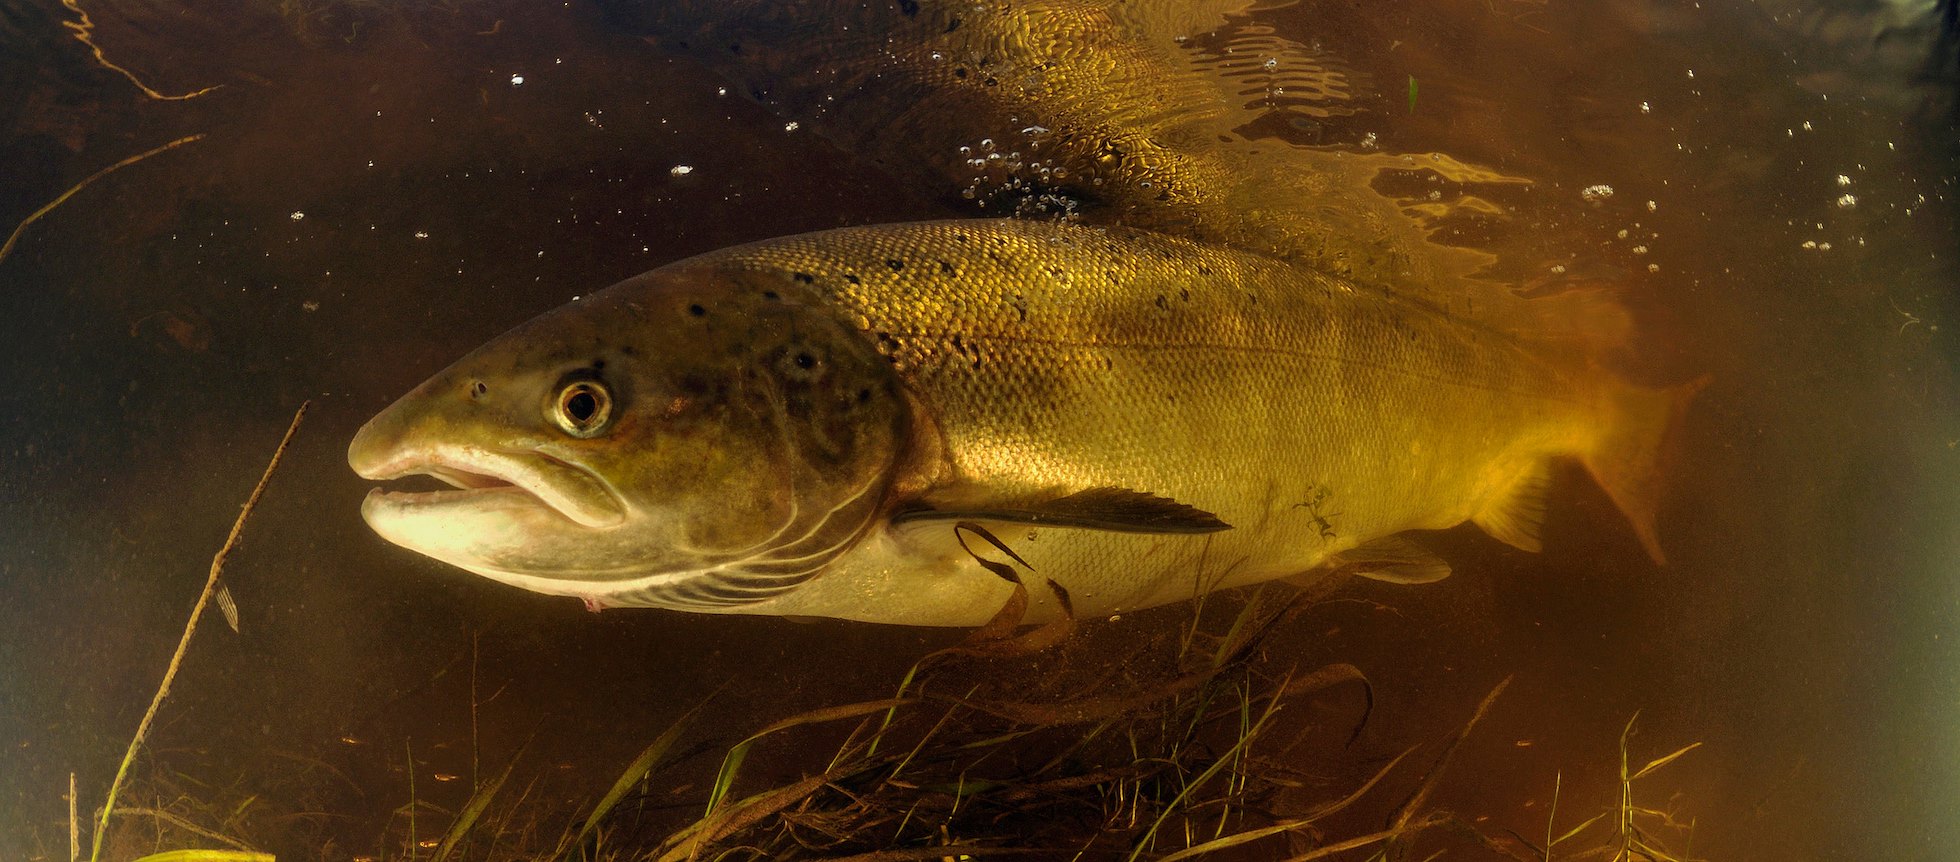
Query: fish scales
point(1055, 357)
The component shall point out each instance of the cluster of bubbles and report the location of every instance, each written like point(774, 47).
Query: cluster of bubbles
point(1016, 178)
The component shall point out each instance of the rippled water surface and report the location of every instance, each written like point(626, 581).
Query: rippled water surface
point(377, 189)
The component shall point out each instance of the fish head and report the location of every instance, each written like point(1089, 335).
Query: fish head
point(692, 436)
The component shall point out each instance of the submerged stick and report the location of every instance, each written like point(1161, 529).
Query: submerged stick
point(190, 626)
point(37, 214)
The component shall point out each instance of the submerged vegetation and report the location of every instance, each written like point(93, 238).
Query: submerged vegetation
point(1017, 743)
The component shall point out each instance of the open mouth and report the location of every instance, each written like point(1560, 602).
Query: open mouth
point(478, 478)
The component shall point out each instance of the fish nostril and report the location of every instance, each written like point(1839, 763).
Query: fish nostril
point(478, 389)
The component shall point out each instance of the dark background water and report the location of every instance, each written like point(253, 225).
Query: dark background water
point(375, 196)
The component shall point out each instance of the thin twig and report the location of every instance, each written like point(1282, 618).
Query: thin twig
point(22, 227)
point(190, 626)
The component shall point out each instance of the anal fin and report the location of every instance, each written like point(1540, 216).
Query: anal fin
point(1516, 515)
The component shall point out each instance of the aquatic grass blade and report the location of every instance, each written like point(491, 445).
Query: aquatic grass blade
point(636, 772)
point(1574, 831)
point(1663, 761)
point(732, 762)
point(209, 856)
point(472, 810)
point(1210, 772)
point(1252, 835)
point(740, 815)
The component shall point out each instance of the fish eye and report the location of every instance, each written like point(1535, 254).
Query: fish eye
point(583, 408)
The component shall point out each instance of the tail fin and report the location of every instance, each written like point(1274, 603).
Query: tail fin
point(1631, 459)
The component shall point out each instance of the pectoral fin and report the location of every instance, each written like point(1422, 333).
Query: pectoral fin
point(1114, 509)
point(1395, 560)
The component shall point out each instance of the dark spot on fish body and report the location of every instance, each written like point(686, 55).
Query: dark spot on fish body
point(852, 278)
point(695, 386)
point(735, 48)
point(947, 268)
point(772, 296)
point(1163, 303)
point(1204, 270)
point(896, 264)
point(697, 310)
point(959, 72)
point(954, 24)
point(804, 277)
point(910, 8)
point(1184, 294)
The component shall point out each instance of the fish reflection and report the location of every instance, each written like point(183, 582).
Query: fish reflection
point(1186, 117)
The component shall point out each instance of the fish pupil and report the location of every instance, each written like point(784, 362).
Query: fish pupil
point(581, 406)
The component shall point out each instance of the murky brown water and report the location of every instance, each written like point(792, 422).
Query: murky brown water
point(376, 193)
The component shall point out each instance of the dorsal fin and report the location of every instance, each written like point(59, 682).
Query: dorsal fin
point(1516, 514)
point(1117, 510)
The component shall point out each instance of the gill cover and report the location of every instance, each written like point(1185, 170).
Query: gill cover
point(690, 438)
